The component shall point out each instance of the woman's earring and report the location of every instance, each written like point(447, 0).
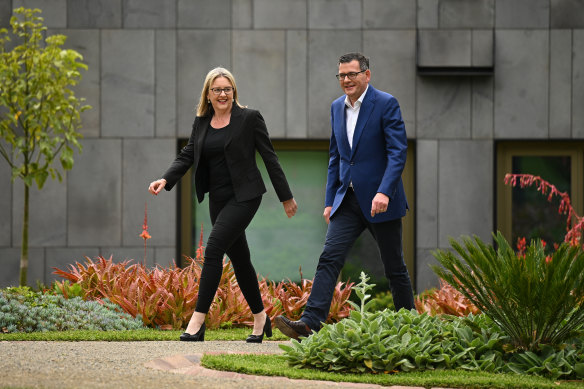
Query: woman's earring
point(208, 101)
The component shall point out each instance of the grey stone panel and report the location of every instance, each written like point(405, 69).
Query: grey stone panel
point(578, 85)
point(165, 256)
point(10, 259)
point(296, 84)
point(127, 74)
point(560, 84)
point(47, 213)
point(426, 194)
point(134, 255)
point(443, 108)
point(204, 14)
point(86, 42)
point(149, 13)
point(465, 190)
point(444, 48)
point(278, 14)
point(387, 14)
point(522, 14)
point(427, 14)
point(392, 56)
point(482, 48)
point(54, 12)
point(241, 14)
point(165, 83)
point(567, 14)
point(324, 50)
point(254, 52)
point(5, 12)
point(6, 203)
point(425, 276)
point(521, 84)
point(62, 257)
point(466, 13)
point(94, 187)
point(198, 52)
point(482, 107)
point(145, 161)
point(334, 14)
point(94, 13)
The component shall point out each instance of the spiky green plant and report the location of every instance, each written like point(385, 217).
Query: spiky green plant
point(535, 298)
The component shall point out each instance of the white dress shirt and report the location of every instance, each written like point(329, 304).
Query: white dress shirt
point(352, 113)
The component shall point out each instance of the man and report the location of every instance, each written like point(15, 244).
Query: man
point(364, 190)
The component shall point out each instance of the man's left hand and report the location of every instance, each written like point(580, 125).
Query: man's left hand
point(379, 204)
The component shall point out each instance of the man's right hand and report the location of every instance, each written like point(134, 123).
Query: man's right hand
point(327, 214)
point(156, 186)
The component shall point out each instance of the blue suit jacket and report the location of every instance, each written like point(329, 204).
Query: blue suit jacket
point(377, 159)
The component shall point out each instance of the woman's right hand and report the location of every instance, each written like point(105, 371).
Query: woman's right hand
point(156, 186)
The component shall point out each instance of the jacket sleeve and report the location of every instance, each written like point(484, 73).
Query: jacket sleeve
point(396, 145)
point(264, 146)
point(182, 163)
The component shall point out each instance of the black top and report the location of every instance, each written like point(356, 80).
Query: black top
point(220, 185)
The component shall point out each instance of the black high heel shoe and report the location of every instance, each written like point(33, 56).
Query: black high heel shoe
point(198, 337)
point(267, 330)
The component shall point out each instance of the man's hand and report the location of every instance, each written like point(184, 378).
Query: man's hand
point(156, 186)
point(379, 204)
point(327, 214)
point(290, 207)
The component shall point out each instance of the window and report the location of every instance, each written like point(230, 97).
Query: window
point(525, 212)
point(281, 246)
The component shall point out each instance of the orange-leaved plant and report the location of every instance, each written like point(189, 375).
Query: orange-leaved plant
point(166, 297)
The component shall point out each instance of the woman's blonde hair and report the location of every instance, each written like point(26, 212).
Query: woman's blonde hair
point(205, 108)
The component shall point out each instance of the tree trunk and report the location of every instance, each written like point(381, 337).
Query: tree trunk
point(24, 251)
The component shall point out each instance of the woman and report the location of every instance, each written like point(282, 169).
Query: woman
point(222, 150)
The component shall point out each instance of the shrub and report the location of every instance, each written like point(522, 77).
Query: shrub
point(445, 301)
point(166, 297)
point(388, 341)
point(535, 298)
point(27, 311)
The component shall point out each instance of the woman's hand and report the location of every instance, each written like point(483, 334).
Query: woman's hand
point(290, 207)
point(156, 186)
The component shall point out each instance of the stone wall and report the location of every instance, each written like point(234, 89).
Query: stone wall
point(147, 60)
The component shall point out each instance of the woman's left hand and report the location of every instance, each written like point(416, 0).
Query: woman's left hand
point(290, 207)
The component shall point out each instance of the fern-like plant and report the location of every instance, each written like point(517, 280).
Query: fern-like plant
point(535, 298)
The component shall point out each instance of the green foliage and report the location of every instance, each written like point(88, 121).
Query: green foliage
point(23, 310)
point(535, 298)
point(405, 341)
point(389, 341)
point(39, 113)
point(382, 300)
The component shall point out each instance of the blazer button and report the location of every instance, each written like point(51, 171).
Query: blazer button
point(352, 163)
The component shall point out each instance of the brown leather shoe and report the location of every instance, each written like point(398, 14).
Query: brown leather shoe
point(293, 329)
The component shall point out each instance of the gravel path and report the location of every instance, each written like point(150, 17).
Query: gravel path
point(123, 365)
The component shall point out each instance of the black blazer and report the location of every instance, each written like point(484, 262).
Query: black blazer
point(246, 134)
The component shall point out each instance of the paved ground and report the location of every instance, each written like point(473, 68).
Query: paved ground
point(134, 365)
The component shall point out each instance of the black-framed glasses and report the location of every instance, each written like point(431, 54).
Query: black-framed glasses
point(228, 90)
point(351, 75)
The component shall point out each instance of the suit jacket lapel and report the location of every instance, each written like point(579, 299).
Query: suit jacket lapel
point(234, 123)
point(364, 113)
point(202, 131)
point(341, 121)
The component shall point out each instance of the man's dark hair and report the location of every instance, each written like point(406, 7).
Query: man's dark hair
point(363, 61)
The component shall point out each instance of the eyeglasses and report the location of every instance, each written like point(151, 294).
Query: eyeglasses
point(351, 75)
point(217, 91)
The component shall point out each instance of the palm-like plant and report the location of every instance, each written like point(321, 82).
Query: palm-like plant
point(535, 298)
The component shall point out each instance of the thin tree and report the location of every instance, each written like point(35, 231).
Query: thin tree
point(39, 113)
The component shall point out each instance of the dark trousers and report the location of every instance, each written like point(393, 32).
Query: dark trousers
point(230, 219)
point(344, 228)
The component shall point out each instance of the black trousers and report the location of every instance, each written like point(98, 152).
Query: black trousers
point(230, 219)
